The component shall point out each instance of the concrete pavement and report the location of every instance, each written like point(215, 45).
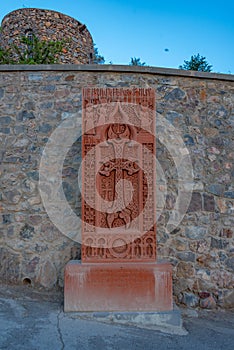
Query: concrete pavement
point(31, 320)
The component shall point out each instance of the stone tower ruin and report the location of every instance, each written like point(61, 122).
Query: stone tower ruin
point(49, 25)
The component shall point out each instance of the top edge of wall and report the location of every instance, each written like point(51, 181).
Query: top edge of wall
point(116, 68)
point(38, 10)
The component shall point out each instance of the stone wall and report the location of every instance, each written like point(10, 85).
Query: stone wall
point(49, 25)
point(35, 100)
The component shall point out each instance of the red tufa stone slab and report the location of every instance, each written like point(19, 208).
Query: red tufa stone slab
point(118, 144)
point(118, 287)
point(119, 270)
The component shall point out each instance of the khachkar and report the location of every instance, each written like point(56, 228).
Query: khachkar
point(118, 271)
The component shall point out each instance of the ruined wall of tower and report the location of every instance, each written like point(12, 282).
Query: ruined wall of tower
point(49, 25)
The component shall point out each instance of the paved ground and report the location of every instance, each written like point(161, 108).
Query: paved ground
point(35, 321)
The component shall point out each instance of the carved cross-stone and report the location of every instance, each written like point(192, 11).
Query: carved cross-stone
point(115, 149)
point(118, 271)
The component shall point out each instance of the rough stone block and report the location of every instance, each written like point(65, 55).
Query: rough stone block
point(209, 203)
point(195, 203)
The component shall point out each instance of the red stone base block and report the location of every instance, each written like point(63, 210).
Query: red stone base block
point(117, 287)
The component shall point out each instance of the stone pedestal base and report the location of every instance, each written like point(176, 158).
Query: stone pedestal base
point(164, 321)
point(117, 287)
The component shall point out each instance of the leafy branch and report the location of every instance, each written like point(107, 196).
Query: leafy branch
point(32, 50)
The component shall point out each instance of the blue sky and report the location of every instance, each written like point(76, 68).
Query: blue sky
point(161, 33)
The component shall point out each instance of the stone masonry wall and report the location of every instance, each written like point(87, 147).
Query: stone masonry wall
point(34, 101)
point(49, 25)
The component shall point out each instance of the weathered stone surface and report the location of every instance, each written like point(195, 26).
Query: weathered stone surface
point(69, 191)
point(185, 269)
point(48, 88)
point(6, 218)
point(207, 260)
point(35, 220)
point(170, 201)
point(27, 232)
point(229, 194)
point(201, 246)
point(216, 189)
point(10, 266)
point(189, 299)
point(45, 128)
point(1, 92)
point(228, 300)
point(181, 285)
point(202, 284)
point(48, 275)
point(204, 295)
point(19, 129)
point(50, 232)
point(222, 279)
point(208, 303)
point(30, 114)
point(5, 131)
point(5, 120)
point(218, 243)
point(230, 263)
point(195, 232)
point(196, 202)
point(226, 232)
point(34, 200)
point(204, 219)
point(174, 118)
point(35, 77)
point(222, 256)
point(33, 175)
point(179, 244)
point(31, 266)
point(209, 203)
point(13, 196)
point(228, 221)
point(204, 274)
point(175, 94)
point(28, 186)
point(210, 132)
point(25, 115)
point(188, 140)
point(186, 256)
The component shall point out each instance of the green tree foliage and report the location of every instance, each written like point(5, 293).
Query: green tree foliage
point(197, 63)
point(97, 58)
point(5, 56)
point(32, 51)
point(136, 62)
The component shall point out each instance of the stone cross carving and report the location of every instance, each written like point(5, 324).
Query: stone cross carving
point(118, 137)
point(118, 271)
point(118, 175)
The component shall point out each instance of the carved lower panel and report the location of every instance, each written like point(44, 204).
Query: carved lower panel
point(121, 248)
